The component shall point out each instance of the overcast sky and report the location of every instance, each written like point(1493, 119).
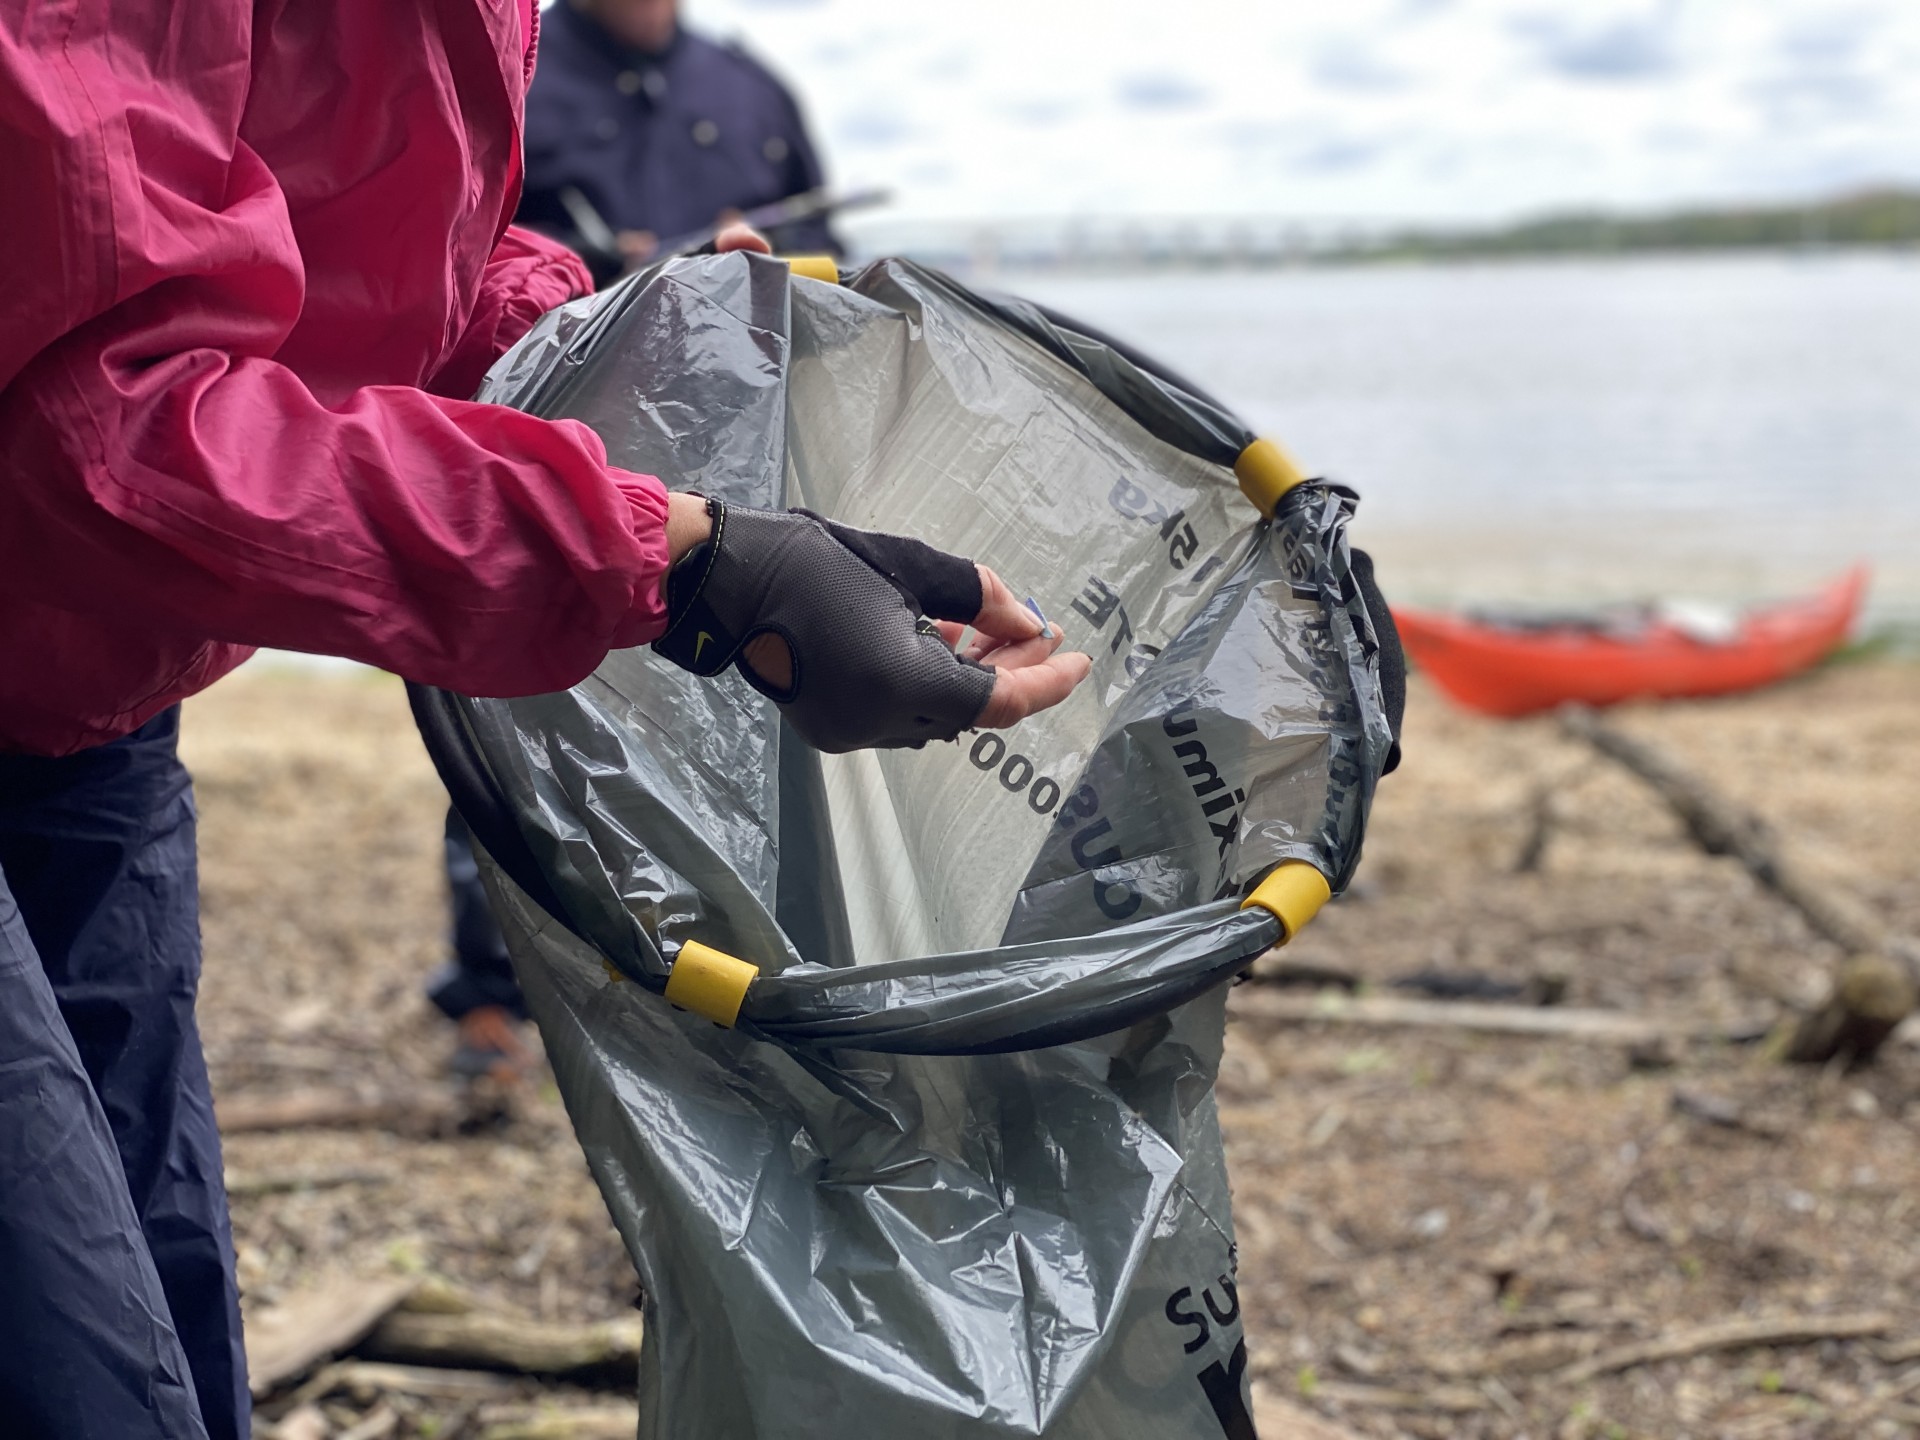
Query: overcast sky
point(1415, 109)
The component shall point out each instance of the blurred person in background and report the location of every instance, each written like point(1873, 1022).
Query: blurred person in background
point(663, 133)
point(660, 131)
point(476, 987)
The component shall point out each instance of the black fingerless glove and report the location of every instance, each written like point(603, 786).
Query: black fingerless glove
point(868, 670)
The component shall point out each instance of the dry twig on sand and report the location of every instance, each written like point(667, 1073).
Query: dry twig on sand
point(481, 1341)
point(1606, 1027)
point(1727, 1335)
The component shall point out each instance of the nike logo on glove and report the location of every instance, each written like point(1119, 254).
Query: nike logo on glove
point(699, 644)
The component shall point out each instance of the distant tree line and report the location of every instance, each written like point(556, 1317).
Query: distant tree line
point(1884, 217)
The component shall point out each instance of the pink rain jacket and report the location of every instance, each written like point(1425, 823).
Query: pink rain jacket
point(254, 254)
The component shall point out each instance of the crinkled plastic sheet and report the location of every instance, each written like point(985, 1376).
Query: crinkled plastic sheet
point(956, 1172)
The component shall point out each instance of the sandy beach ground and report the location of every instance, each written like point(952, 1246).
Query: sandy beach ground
point(1437, 1228)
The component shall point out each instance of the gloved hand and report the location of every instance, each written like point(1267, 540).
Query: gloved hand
point(837, 627)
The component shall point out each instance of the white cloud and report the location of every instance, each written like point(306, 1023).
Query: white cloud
point(1400, 109)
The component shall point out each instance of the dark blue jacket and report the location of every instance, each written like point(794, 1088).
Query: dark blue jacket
point(661, 142)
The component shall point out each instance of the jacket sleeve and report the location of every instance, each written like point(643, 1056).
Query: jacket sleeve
point(161, 468)
point(528, 275)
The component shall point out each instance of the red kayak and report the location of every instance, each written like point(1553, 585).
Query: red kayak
point(1515, 669)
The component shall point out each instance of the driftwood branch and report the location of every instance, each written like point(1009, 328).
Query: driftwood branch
point(241, 1185)
point(1285, 974)
point(436, 1295)
point(1871, 993)
point(1605, 1027)
point(1728, 1335)
point(1437, 984)
point(285, 1341)
point(1720, 826)
point(311, 1109)
point(366, 1381)
point(599, 1422)
point(481, 1341)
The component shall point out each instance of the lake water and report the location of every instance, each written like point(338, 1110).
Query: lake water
point(1719, 427)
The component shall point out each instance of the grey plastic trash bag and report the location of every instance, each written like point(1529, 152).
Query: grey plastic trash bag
point(951, 1168)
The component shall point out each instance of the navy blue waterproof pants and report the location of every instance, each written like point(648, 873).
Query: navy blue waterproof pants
point(481, 971)
point(119, 1316)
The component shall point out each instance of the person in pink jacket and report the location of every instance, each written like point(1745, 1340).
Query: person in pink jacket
point(256, 255)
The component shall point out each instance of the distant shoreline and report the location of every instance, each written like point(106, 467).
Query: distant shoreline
point(1886, 220)
point(967, 267)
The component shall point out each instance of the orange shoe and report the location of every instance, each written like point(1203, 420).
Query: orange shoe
point(491, 1045)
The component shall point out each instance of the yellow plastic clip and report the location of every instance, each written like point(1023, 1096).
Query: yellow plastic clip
point(815, 267)
point(1266, 472)
point(709, 982)
point(1294, 891)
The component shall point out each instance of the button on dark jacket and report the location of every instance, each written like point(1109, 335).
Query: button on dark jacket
point(661, 142)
